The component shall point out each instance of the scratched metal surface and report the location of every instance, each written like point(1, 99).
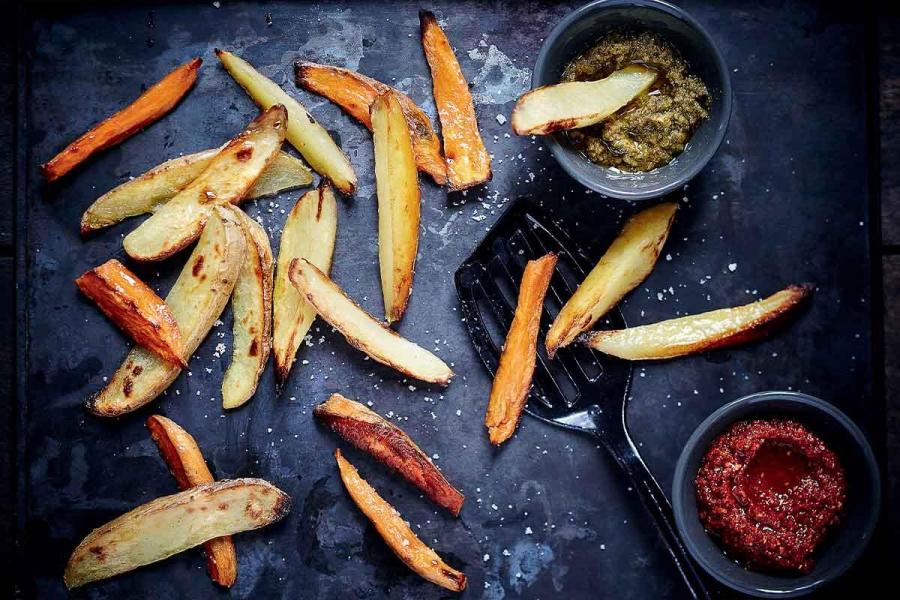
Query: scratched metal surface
point(783, 201)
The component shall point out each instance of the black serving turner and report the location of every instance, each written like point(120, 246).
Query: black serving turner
point(580, 389)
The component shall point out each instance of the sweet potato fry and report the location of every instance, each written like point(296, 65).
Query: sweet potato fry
point(398, 204)
point(148, 108)
point(135, 308)
point(172, 524)
point(183, 457)
point(628, 261)
point(396, 533)
point(512, 381)
point(371, 433)
point(468, 162)
point(354, 92)
point(227, 180)
point(702, 332)
point(361, 330)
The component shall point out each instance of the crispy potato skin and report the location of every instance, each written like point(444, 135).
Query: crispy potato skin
point(628, 261)
point(512, 381)
point(196, 300)
point(396, 533)
point(468, 161)
point(149, 107)
point(171, 524)
point(183, 457)
point(399, 204)
point(392, 447)
point(702, 332)
point(354, 92)
point(135, 308)
point(226, 181)
point(361, 330)
point(309, 232)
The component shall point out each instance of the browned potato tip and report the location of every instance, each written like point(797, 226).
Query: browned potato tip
point(371, 433)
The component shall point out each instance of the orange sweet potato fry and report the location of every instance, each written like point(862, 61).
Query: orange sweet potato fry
point(354, 93)
point(182, 455)
point(468, 162)
point(148, 108)
point(135, 308)
point(512, 381)
point(371, 433)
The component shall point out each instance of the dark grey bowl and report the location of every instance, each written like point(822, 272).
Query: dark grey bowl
point(579, 31)
point(846, 542)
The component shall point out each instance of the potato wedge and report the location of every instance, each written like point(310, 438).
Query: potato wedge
point(183, 457)
point(628, 261)
point(701, 332)
point(396, 533)
point(171, 524)
point(577, 104)
point(468, 161)
point(149, 107)
point(512, 382)
point(371, 433)
point(309, 232)
point(399, 203)
point(229, 176)
point(354, 92)
point(251, 303)
point(196, 300)
point(143, 194)
point(304, 133)
point(135, 308)
point(361, 330)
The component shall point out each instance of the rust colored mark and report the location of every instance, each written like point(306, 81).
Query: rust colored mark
point(198, 266)
point(128, 387)
point(244, 153)
point(254, 348)
point(137, 370)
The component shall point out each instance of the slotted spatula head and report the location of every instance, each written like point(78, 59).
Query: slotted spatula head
point(579, 387)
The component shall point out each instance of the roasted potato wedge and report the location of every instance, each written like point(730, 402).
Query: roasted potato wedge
point(303, 132)
point(196, 300)
point(512, 382)
point(251, 303)
point(388, 443)
point(361, 330)
point(309, 232)
point(143, 194)
point(627, 262)
point(354, 92)
point(398, 203)
point(226, 180)
point(149, 107)
point(396, 533)
point(172, 524)
point(702, 332)
point(577, 104)
point(135, 308)
point(468, 161)
point(183, 457)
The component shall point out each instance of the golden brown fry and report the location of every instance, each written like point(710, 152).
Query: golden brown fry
point(361, 330)
point(183, 457)
point(627, 262)
point(171, 524)
point(512, 381)
point(148, 108)
point(135, 308)
point(702, 332)
point(468, 162)
point(392, 447)
point(396, 533)
point(354, 92)
point(398, 204)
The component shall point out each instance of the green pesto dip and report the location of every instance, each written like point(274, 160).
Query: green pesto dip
point(653, 128)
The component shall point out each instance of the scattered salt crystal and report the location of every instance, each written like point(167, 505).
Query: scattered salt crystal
point(501, 119)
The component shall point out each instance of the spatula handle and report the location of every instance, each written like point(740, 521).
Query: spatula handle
point(630, 461)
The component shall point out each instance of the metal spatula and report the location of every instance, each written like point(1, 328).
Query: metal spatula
point(580, 389)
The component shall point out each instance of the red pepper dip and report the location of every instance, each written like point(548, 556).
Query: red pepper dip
point(770, 490)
